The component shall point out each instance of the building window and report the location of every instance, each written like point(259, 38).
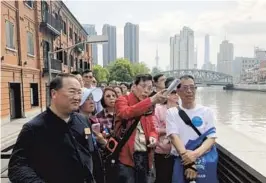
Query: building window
point(85, 65)
point(29, 3)
point(64, 27)
point(65, 58)
point(72, 60)
point(80, 64)
point(70, 33)
point(30, 43)
point(34, 96)
point(10, 35)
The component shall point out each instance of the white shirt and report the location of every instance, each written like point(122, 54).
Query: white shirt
point(202, 117)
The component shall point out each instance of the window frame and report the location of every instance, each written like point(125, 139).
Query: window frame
point(11, 41)
point(28, 5)
point(28, 44)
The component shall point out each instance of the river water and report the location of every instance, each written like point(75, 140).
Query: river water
point(243, 111)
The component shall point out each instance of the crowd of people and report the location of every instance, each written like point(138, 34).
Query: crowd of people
point(70, 142)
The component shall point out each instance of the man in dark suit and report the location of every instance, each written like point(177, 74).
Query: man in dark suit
point(56, 145)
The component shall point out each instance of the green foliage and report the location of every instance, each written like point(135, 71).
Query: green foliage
point(101, 74)
point(121, 70)
point(140, 68)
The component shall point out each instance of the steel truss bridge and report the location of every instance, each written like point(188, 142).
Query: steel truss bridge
point(202, 76)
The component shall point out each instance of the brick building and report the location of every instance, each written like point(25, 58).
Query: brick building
point(30, 30)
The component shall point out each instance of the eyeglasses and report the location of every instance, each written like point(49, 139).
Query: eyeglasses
point(188, 87)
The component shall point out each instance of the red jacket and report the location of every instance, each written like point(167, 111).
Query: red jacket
point(127, 107)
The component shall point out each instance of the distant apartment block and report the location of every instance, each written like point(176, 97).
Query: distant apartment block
point(182, 50)
point(131, 42)
point(109, 49)
point(225, 57)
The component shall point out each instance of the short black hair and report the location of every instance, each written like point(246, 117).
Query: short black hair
point(156, 77)
point(75, 73)
point(86, 71)
point(125, 85)
point(57, 82)
point(168, 81)
point(186, 77)
point(142, 77)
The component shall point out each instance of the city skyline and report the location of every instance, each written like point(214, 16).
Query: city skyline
point(234, 19)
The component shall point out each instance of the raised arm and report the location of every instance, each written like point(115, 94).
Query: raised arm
point(124, 111)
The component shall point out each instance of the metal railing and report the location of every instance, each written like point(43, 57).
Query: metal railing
point(233, 170)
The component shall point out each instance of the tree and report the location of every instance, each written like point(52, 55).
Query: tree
point(140, 68)
point(120, 70)
point(101, 74)
point(155, 70)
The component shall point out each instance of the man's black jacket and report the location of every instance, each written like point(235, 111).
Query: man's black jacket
point(50, 150)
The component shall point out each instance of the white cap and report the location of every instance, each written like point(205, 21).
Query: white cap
point(96, 93)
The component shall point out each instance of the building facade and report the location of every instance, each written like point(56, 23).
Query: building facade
point(30, 30)
point(131, 42)
point(109, 49)
point(225, 57)
point(90, 29)
point(182, 50)
point(244, 68)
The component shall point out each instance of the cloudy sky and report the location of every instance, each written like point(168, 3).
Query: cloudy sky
point(242, 22)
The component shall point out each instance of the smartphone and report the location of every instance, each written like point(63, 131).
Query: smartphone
point(96, 127)
point(172, 87)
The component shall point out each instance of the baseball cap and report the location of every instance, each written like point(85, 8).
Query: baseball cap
point(96, 93)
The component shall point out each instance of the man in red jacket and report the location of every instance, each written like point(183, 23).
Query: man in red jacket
point(136, 155)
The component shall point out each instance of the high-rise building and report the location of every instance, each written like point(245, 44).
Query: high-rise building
point(207, 63)
point(225, 57)
point(207, 49)
point(109, 49)
point(182, 50)
point(90, 29)
point(131, 42)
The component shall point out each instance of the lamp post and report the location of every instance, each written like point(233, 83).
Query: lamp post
point(92, 39)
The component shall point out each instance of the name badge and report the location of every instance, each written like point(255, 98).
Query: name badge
point(87, 132)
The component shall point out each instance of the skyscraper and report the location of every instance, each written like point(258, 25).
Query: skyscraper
point(207, 50)
point(131, 42)
point(225, 57)
point(109, 49)
point(90, 29)
point(182, 50)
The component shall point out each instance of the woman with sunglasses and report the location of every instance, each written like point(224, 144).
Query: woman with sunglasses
point(164, 162)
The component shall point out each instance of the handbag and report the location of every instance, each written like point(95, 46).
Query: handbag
point(206, 165)
point(113, 148)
